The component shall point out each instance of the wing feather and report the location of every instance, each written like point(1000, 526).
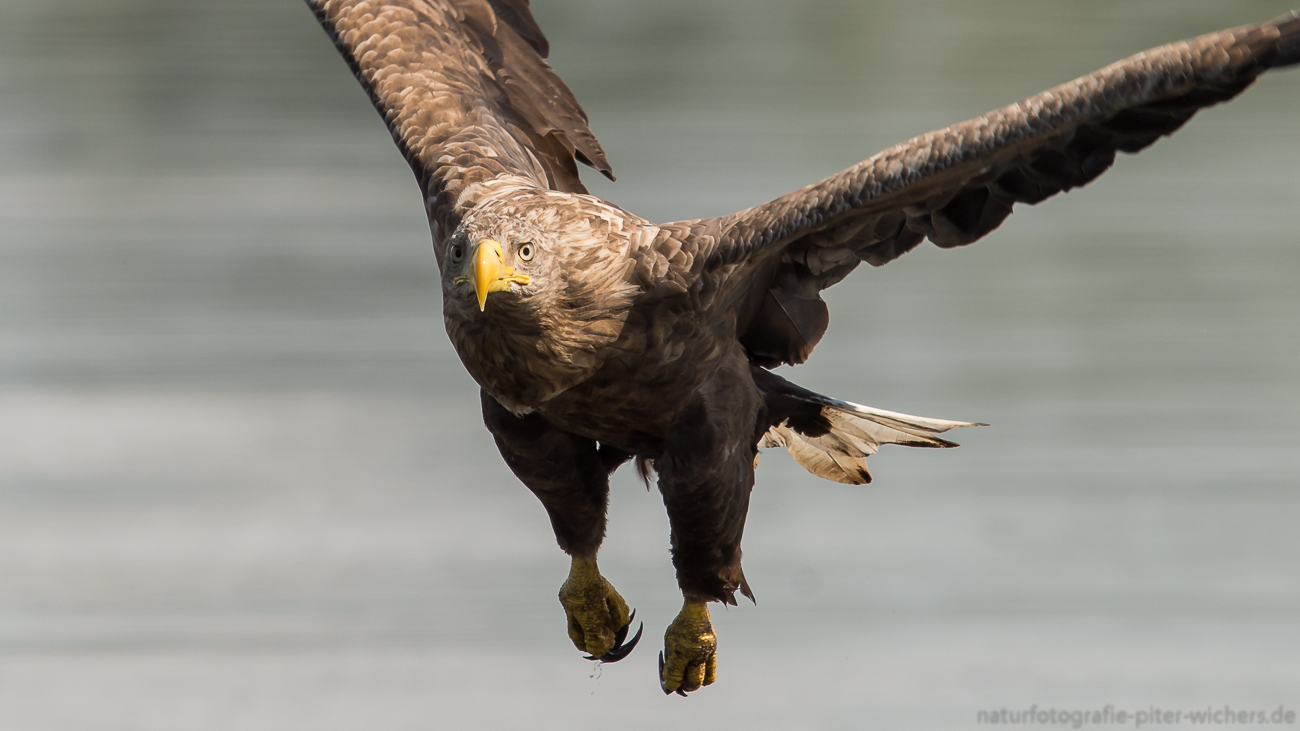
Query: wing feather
point(956, 184)
point(465, 91)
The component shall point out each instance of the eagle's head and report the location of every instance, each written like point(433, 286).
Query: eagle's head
point(509, 259)
point(533, 291)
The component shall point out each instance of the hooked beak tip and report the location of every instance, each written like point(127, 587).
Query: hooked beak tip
point(487, 269)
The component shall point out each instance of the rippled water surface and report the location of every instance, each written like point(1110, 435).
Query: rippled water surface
point(244, 483)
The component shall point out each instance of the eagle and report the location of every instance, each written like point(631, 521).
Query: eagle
point(599, 337)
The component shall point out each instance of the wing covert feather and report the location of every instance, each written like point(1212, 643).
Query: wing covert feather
point(971, 173)
point(956, 184)
point(464, 89)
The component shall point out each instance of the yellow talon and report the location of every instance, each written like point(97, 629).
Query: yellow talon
point(597, 616)
point(690, 654)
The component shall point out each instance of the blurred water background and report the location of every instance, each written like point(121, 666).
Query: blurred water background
point(244, 483)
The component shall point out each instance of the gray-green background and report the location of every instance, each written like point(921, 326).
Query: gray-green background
point(244, 485)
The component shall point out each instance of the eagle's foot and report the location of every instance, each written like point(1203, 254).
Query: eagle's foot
point(689, 660)
point(598, 617)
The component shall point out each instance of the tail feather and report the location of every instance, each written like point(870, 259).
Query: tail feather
point(832, 438)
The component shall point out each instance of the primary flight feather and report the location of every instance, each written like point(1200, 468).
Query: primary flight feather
point(599, 337)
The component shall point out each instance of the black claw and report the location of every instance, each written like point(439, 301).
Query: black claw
point(618, 652)
point(663, 684)
point(621, 634)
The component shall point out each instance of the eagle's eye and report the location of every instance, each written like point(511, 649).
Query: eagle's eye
point(526, 251)
point(457, 253)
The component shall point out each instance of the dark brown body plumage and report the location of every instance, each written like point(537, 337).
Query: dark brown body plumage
point(610, 337)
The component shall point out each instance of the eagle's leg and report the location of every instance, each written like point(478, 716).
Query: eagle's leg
point(570, 475)
point(692, 650)
point(706, 475)
point(593, 609)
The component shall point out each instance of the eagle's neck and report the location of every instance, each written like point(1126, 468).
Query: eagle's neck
point(519, 363)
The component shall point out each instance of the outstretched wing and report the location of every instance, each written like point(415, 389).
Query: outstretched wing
point(465, 91)
point(956, 184)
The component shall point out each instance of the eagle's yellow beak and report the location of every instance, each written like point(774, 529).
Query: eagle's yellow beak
point(490, 274)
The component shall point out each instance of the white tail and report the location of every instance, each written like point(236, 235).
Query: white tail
point(855, 433)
